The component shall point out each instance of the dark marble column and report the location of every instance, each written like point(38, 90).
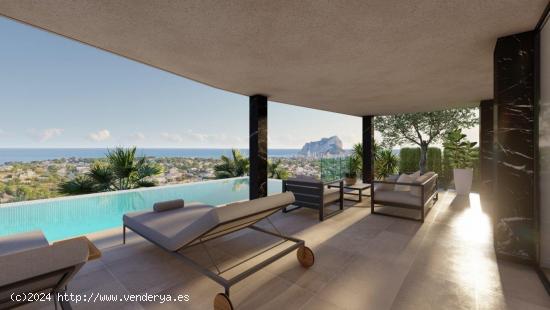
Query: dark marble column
point(258, 146)
point(368, 142)
point(514, 186)
point(486, 153)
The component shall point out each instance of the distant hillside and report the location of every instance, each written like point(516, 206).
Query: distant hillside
point(325, 147)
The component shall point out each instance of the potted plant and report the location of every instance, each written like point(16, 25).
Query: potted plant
point(461, 154)
point(354, 162)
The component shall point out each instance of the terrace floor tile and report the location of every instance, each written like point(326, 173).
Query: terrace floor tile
point(362, 261)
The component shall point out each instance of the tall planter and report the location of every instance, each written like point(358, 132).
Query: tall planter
point(463, 180)
point(461, 154)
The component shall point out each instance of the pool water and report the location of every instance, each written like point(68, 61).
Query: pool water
point(66, 217)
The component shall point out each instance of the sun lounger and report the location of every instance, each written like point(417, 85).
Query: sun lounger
point(179, 228)
point(29, 264)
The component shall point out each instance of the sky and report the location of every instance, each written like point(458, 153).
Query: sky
point(56, 92)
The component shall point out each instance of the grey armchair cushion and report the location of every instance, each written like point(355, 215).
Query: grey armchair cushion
point(417, 190)
point(387, 187)
point(398, 197)
point(404, 178)
point(21, 242)
point(168, 205)
point(429, 174)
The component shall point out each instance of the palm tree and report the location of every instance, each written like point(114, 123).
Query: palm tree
point(276, 171)
point(101, 175)
point(237, 166)
point(357, 150)
point(130, 172)
point(357, 153)
point(82, 184)
point(386, 164)
point(119, 171)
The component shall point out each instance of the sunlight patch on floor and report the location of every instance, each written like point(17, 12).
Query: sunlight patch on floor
point(472, 228)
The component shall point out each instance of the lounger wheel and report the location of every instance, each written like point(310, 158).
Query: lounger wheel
point(222, 302)
point(305, 256)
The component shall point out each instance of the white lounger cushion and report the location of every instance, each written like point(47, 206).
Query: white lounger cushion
point(17, 266)
point(22, 241)
point(163, 227)
point(176, 228)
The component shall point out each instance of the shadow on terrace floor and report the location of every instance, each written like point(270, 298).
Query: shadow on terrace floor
point(363, 261)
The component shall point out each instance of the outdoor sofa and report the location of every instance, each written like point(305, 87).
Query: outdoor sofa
point(30, 265)
point(416, 194)
point(174, 227)
point(315, 194)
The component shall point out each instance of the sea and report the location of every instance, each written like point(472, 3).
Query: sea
point(37, 154)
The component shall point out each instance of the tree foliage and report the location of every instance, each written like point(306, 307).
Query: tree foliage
point(423, 128)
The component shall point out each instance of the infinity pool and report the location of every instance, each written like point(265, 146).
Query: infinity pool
point(66, 217)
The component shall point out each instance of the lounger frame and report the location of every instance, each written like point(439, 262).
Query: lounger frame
point(211, 234)
point(59, 288)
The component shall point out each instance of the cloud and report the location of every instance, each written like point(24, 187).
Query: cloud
point(133, 139)
point(202, 139)
point(348, 140)
point(101, 135)
point(45, 134)
point(138, 136)
point(173, 137)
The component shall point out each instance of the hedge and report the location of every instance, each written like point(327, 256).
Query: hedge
point(434, 160)
point(446, 176)
point(409, 159)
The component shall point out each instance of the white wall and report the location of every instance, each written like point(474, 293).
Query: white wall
point(544, 145)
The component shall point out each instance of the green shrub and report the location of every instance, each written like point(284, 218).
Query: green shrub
point(433, 162)
point(409, 161)
point(409, 158)
point(461, 152)
point(446, 176)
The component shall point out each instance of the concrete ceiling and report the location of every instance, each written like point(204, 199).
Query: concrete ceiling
point(354, 57)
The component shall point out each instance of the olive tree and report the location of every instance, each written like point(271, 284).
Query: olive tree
point(423, 128)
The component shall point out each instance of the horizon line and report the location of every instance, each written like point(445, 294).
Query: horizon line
point(140, 147)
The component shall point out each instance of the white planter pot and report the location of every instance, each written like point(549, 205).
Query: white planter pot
point(463, 180)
